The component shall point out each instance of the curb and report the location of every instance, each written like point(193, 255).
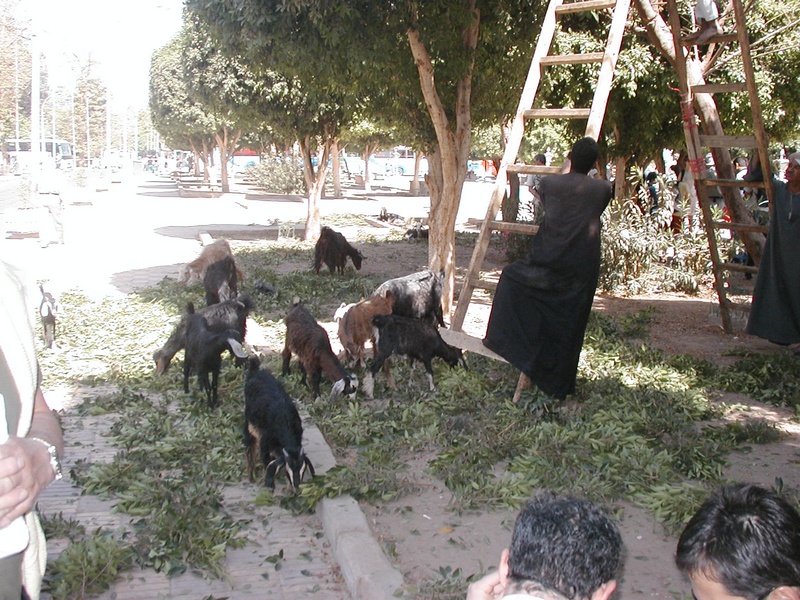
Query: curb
point(367, 572)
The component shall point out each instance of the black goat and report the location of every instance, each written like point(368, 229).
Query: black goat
point(48, 309)
point(273, 426)
point(418, 340)
point(309, 341)
point(231, 314)
point(204, 350)
point(333, 249)
point(418, 295)
point(221, 281)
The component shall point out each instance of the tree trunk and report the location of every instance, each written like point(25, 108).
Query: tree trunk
point(447, 166)
point(315, 181)
point(226, 142)
point(661, 36)
point(414, 187)
point(337, 178)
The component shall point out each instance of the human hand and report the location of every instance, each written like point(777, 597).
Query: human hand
point(25, 471)
point(487, 587)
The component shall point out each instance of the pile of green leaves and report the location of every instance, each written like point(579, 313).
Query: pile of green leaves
point(279, 175)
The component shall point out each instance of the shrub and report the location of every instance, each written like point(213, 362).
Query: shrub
point(279, 175)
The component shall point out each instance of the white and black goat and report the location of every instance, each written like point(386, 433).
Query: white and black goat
point(309, 341)
point(48, 309)
point(203, 354)
point(416, 339)
point(418, 295)
point(220, 281)
point(355, 325)
point(333, 249)
point(231, 314)
point(272, 427)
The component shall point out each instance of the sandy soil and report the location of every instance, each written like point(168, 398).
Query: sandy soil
point(422, 534)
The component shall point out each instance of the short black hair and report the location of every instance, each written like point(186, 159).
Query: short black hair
point(540, 158)
point(584, 155)
point(744, 537)
point(651, 176)
point(565, 543)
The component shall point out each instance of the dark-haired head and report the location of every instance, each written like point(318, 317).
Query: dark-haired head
point(584, 155)
point(745, 538)
point(565, 544)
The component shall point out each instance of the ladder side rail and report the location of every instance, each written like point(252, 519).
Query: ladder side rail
point(755, 103)
point(692, 136)
point(509, 157)
point(606, 77)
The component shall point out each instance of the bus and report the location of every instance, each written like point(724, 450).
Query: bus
point(17, 153)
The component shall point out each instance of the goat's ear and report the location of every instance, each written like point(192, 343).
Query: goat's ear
point(236, 348)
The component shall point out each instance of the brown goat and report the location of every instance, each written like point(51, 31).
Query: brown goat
point(309, 341)
point(355, 327)
point(213, 252)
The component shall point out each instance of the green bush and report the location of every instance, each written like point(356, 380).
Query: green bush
point(279, 175)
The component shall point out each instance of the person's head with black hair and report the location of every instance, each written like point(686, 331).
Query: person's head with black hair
point(540, 159)
point(562, 548)
point(584, 155)
point(651, 177)
point(743, 543)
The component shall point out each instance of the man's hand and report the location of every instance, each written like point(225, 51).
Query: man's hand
point(25, 470)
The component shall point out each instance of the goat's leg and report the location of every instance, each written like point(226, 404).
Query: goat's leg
point(369, 378)
point(429, 371)
point(287, 357)
point(316, 377)
point(250, 443)
point(272, 470)
point(187, 368)
point(213, 390)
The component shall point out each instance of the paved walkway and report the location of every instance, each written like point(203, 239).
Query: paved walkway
point(122, 236)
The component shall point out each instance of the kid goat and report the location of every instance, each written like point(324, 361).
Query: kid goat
point(231, 314)
point(355, 326)
point(333, 249)
point(272, 426)
point(412, 338)
point(204, 350)
point(309, 341)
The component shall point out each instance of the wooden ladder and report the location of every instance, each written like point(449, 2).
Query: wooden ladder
point(525, 111)
point(695, 142)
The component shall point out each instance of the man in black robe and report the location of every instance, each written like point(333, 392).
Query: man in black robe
point(775, 312)
point(542, 303)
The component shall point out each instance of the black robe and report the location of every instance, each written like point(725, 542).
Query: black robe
point(542, 303)
point(775, 312)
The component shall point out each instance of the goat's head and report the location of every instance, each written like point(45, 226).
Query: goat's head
point(296, 462)
point(347, 385)
point(357, 257)
point(455, 357)
point(162, 361)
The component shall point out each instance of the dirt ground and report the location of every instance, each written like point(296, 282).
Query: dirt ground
point(423, 535)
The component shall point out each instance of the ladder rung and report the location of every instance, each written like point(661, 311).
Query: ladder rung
point(572, 59)
point(740, 227)
point(738, 183)
point(739, 267)
point(556, 113)
point(713, 88)
point(717, 39)
point(471, 343)
point(507, 227)
point(533, 169)
point(587, 5)
point(483, 284)
point(728, 141)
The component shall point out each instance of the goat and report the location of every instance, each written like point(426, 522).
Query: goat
point(273, 426)
point(204, 350)
point(355, 327)
point(48, 309)
point(309, 341)
point(231, 314)
point(333, 249)
point(416, 339)
point(219, 281)
point(418, 295)
point(213, 252)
